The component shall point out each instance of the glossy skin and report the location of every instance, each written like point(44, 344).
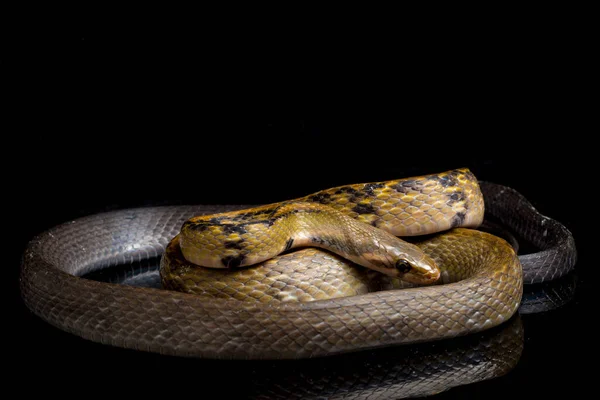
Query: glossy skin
point(178, 323)
point(294, 225)
point(557, 253)
point(310, 274)
point(359, 222)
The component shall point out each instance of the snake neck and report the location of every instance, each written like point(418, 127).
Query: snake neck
point(362, 244)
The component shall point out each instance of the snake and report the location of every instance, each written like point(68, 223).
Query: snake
point(480, 284)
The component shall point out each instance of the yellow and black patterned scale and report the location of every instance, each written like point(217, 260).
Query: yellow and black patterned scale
point(358, 222)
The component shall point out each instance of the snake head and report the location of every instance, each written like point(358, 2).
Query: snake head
point(403, 260)
point(421, 271)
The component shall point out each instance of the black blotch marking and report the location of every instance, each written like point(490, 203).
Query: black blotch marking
point(252, 214)
point(237, 244)
point(233, 228)
point(272, 211)
point(355, 195)
point(233, 261)
point(456, 197)
point(215, 220)
point(288, 244)
point(197, 227)
point(370, 187)
point(323, 198)
point(400, 188)
point(364, 209)
point(317, 240)
point(346, 189)
point(446, 181)
point(458, 219)
point(407, 185)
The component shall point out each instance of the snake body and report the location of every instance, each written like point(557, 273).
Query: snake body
point(487, 292)
point(556, 255)
point(391, 372)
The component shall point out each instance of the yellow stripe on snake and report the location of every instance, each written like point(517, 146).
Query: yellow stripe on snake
point(358, 226)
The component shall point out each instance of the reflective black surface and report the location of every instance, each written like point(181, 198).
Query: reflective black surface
point(534, 353)
point(109, 124)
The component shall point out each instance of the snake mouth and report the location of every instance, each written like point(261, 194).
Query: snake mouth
point(420, 278)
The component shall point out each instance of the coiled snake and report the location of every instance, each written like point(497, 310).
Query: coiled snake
point(481, 273)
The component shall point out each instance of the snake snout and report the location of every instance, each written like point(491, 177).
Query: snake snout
point(423, 273)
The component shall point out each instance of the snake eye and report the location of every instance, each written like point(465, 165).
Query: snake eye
point(403, 266)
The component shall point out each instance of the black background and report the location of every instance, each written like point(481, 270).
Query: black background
point(102, 120)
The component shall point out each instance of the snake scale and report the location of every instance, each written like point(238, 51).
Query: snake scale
point(482, 275)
